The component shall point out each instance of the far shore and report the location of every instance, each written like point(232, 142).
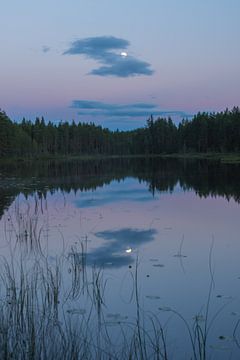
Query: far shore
point(232, 158)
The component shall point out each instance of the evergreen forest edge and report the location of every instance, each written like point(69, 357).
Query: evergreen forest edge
point(204, 133)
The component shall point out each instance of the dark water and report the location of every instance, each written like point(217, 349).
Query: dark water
point(178, 220)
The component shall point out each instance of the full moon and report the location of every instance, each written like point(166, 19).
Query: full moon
point(124, 54)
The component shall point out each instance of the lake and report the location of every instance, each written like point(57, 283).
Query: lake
point(134, 257)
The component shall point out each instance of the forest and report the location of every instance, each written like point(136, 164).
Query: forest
point(205, 132)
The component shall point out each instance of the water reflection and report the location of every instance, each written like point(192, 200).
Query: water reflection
point(115, 253)
point(206, 178)
point(120, 248)
point(105, 197)
point(116, 221)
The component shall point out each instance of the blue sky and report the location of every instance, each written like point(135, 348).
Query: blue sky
point(62, 59)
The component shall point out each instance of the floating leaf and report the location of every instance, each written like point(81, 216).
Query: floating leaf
point(164, 308)
point(158, 265)
point(153, 297)
point(227, 297)
point(76, 311)
point(221, 337)
point(226, 338)
point(117, 316)
point(235, 313)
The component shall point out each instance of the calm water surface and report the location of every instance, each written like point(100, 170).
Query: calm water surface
point(177, 221)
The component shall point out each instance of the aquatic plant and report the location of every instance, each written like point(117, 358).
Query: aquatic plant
point(55, 307)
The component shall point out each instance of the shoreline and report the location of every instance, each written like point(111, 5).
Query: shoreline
point(233, 158)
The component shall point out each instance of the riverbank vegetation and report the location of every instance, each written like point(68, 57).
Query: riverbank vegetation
point(206, 133)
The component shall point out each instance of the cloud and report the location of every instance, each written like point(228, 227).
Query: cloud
point(88, 104)
point(133, 113)
point(45, 49)
point(107, 51)
point(124, 67)
point(96, 47)
point(134, 110)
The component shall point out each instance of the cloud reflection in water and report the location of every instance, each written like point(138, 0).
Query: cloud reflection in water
point(113, 253)
point(100, 198)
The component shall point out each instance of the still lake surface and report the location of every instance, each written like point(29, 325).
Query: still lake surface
point(177, 221)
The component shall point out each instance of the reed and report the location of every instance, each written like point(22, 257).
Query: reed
point(56, 308)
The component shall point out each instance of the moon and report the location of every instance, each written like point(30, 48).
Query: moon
point(124, 54)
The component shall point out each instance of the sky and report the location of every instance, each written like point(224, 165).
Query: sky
point(115, 63)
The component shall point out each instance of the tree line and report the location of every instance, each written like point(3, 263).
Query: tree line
point(205, 132)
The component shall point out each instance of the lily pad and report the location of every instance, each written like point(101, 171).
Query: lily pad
point(117, 316)
point(164, 308)
point(153, 297)
point(76, 311)
point(158, 265)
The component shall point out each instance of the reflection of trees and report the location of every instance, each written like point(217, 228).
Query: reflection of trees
point(205, 177)
point(211, 178)
point(5, 201)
